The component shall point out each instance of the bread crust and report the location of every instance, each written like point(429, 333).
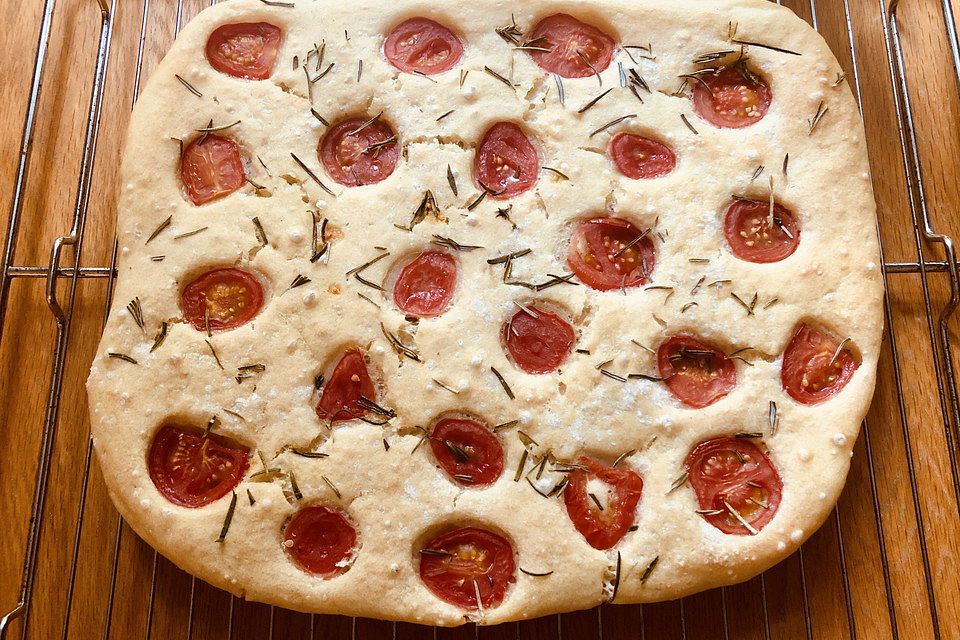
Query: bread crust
point(398, 498)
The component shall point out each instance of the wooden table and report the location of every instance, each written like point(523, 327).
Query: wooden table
point(862, 575)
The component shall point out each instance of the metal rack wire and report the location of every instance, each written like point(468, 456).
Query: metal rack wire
point(62, 309)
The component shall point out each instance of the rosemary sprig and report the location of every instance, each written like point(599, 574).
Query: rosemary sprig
point(611, 124)
point(499, 77)
point(774, 418)
point(160, 337)
point(590, 104)
point(818, 116)
point(536, 574)
point(650, 567)
point(311, 174)
point(295, 487)
point(260, 233)
point(503, 383)
point(332, 486)
point(163, 225)
point(766, 46)
point(452, 244)
point(121, 356)
point(189, 86)
point(683, 117)
point(228, 519)
point(135, 310)
point(616, 579)
point(190, 233)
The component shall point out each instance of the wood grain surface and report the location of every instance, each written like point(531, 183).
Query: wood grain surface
point(862, 575)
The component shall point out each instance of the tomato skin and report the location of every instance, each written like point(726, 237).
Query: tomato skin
point(728, 100)
point(602, 529)
point(641, 158)
point(695, 378)
point(484, 462)
point(506, 164)
point(211, 168)
point(480, 557)
point(538, 345)
point(420, 45)
point(343, 152)
point(809, 373)
point(244, 50)
point(565, 36)
point(341, 393)
point(594, 245)
point(719, 478)
point(750, 236)
point(191, 469)
point(321, 541)
point(232, 296)
point(426, 284)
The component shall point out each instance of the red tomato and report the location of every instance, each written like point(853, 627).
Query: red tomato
point(733, 477)
point(455, 565)
point(695, 372)
point(211, 168)
point(729, 100)
point(638, 158)
point(538, 344)
point(603, 527)
point(355, 153)
point(506, 163)
point(575, 46)
point(193, 470)
point(244, 50)
point(426, 285)
point(227, 297)
point(605, 254)
point(341, 393)
point(321, 541)
point(420, 45)
point(813, 371)
point(467, 451)
point(751, 236)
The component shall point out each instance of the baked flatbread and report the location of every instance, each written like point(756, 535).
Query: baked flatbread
point(428, 311)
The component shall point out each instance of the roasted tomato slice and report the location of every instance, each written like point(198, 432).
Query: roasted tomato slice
point(639, 158)
point(506, 163)
point(538, 341)
point(755, 237)
point(350, 380)
point(211, 168)
point(226, 298)
point(420, 45)
point(697, 373)
point(244, 50)
point(456, 566)
point(602, 519)
point(357, 151)
point(576, 49)
point(737, 486)
point(609, 253)
point(191, 469)
point(426, 284)
point(321, 541)
point(731, 97)
point(815, 368)
point(467, 451)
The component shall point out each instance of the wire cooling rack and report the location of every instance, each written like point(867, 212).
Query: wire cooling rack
point(934, 268)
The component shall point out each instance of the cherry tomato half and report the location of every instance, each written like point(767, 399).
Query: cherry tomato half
point(420, 45)
point(735, 483)
point(211, 168)
point(814, 367)
point(606, 254)
point(752, 235)
point(245, 50)
point(341, 394)
point(226, 298)
point(603, 524)
point(467, 451)
point(729, 99)
point(356, 151)
point(506, 164)
point(457, 565)
point(640, 158)
point(426, 284)
point(321, 541)
point(697, 373)
point(191, 469)
point(576, 49)
point(538, 341)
